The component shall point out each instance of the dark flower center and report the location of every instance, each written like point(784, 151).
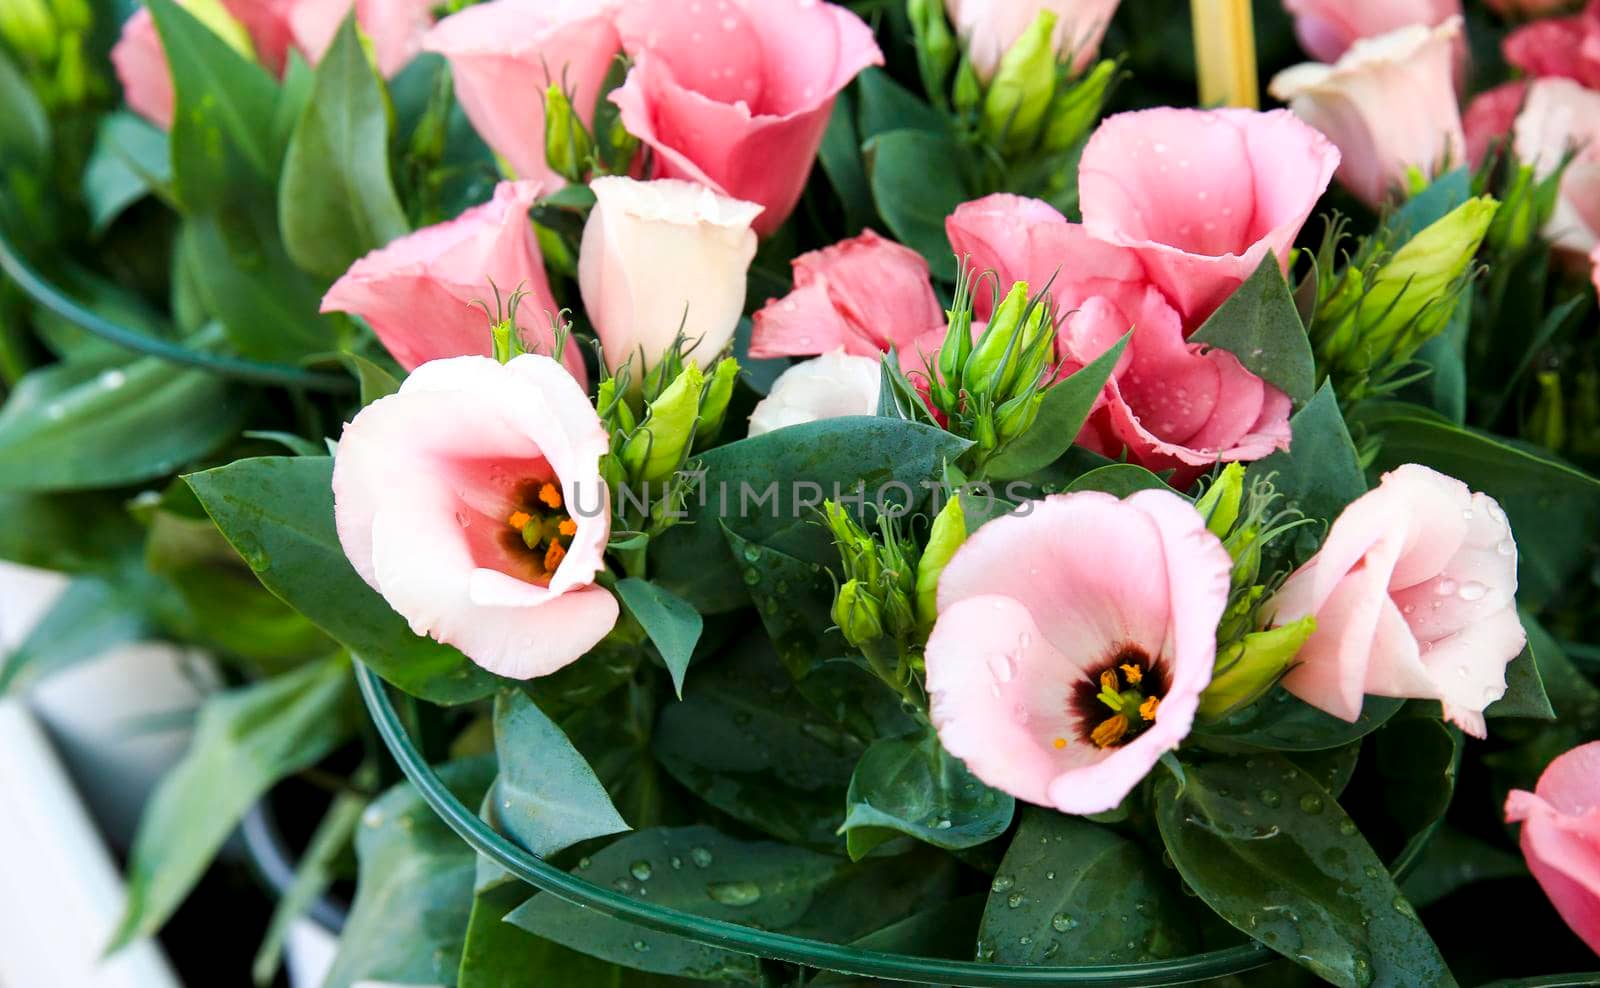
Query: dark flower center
point(539, 529)
point(1118, 697)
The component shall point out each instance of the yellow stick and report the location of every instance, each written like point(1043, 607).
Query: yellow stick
point(1225, 52)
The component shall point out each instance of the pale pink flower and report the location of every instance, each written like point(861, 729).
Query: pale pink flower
point(141, 67)
point(1327, 28)
point(989, 28)
point(1489, 119)
point(1040, 612)
point(417, 292)
point(1390, 106)
point(436, 489)
point(1561, 837)
point(736, 96)
point(504, 55)
point(1560, 118)
point(865, 294)
point(1414, 592)
point(396, 27)
point(1562, 47)
point(1201, 196)
point(833, 385)
point(662, 257)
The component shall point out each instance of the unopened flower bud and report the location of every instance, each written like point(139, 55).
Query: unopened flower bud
point(858, 615)
point(948, 534)
point(1077, 109)
point(857, 549)
point(28, 28)
point(1248, 668)
point(998, 350)
point(567, 146)
point(1023, 88)
point(1219, 505)
point(1017, 416)
point(937, 50)
point(714, 408)
point(661, 444)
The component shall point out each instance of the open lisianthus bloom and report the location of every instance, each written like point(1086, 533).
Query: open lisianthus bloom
point(472, 501)
point(1559, 126)
point(830, 386)
point(1414, 595)
point(1561, 837)
point(1328, 28)
point(1202, 196)
point(1073, 642)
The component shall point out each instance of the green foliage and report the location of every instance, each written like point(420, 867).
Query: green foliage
point(546, 796)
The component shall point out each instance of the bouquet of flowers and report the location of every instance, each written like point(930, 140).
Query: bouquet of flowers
point(815, 492)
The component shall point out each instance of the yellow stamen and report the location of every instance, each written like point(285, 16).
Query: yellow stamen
point(1134, 673)
point(550, 495)
point(1059, 743)
point(553, 557)
point(1147, 709)
point(519, 519)
point(1110, 731)
point(1108, 681)
point(568, 527)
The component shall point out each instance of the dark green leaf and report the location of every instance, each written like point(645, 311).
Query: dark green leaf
point(546, 796)
point(1428, 207)
point(795, 601)
point(25, 127)
point(1119, 480)
point(1453, 861)
point(89, 617)
point(1318, 475)
point(376, 382)
point(1330, 768)
point(414, 894)
point(1277, 858)
point(93, 424)
point(497, 954)
point(73, 533)
point(1070, 893)
point(840, 158)
point(1066, 406)
point(1417, 758)
point(1525, 695)
point(336, 201)
point(245, 280)
point(886, 105)
point(1281, 721)
point(244, 742)
point(131, 159)
point(911, 786)
point(1260, 325)
point(672, 623)
point(278, 513)
point(1574, 698)
point(914, 197)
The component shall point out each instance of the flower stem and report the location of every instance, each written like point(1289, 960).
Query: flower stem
point(1225, 52)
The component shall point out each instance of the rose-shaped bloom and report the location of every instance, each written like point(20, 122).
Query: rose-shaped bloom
point(989, 28)
point(664, 257)
point(417, 292)
point(504, 55)
point(1563, 47)
point(1201, 196)
point(1388, 104)
point(1414, 595)
point(472, 501)
point(396, 27)
point(1170, 404)
point(1561, 837)
point(865, 294)
point(1073, 643)
point(831, 386)
point(1489, 119)
point(736, 94)
point(259, 29)
point(1561, 117)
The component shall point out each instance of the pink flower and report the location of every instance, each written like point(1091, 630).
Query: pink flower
point(737, 97)
point(1594, 261)
point(865, 294)
point(1327, 28)
point(1201, 196)
point(141, 66)
point(989, 28)
point(415, 292)
point(664, 257)
point(472, 501)
point(1559, 118)
point(396, 27)
point(1489, 118)
point(1564, 47)
point(1390, 106)
point(1414, 595)
point(826, 387)
point(505, 54)
point(1047, 619)
point(1171, 405)
point(1561, 837)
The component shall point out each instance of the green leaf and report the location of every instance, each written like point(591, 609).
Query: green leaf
point(672, 623)
point(1318, 475)
point(123, 424)
point(546, 796)
point(1525, 695)
point(245, 280)
point(497, 954)
point(414, 893)
point(130, 160)
point(1573, 697)
point(1119, 480)
point(795, 601)
point(89, 617)
point(840, 158)
point(1066, 407)
point(245, 741)
point(25, 127)
point(744, 740)
point(1260, 325)
point(913, 196)
point(1330, 768)
point(1276, 856)
point(278, 513)
point(222, 120)
point(69, 532)
point(1453, 861)
point(1281, 721)
point(814, 460)
point(376, 382)
point(886, 105)
point(1070, 893)
point(911, 786)
point(337, 201)
point(1442, 196)
point(1417, 759)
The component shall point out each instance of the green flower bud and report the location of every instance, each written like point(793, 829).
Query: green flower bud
point(613, 407)
point(28, 27)
point(998, 350)
point(567, 146)
point(719, 391)
point(1219, 505)
point(968, 91)
point(1521, 213)
point(937, 50)
point(857, 549)
point(1247, 669)
point(1244, 545)
point(663, 442)
point(1017, 416)
point(1023, 88)
point(858, 615)
point(948, 534)
point(899, 612)
point(1075, 111)
point(1547, 424)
